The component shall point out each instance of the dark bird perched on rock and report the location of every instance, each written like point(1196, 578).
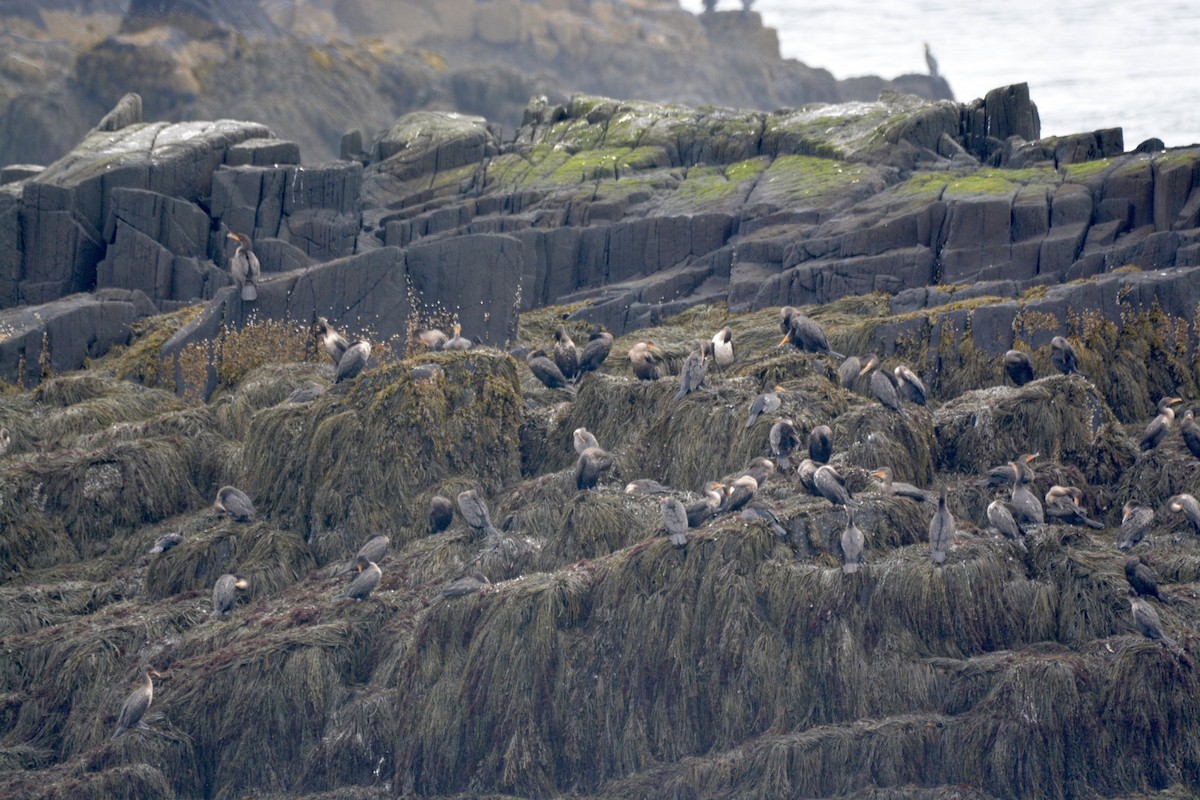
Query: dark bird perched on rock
point(475, 512)
point(566, 354)
point(164, 543)
point(594, 353)
point(646, 486)
point(432, 339)
point(832, 486)
point(582, 439)
point(941, 530)
point(704, 508)
point(909, 385)
point(306, 392)
point(691, 377)
point(373, 549)
point(852, 545)
point(738, 493)
point(1026, 508)
point(783, 441)
point(1063, 506)
point(1135, 522)
point(368, 578)
point(244, 266)
point(1062, 356)
point(766, 403)
point(883, 385)
point(820, 444)
point(1003, 475)
point(1186, 504)
point(225, 593)
point(1018, 367)
point(758, 511)
point(235, 503)
point(760, 469)
point(1146, 620)
point(807, 473)
point(900, 488)
point(353, 361)
point(643, 358)
point(1189, 431)
point(849, 371)
point(1142, 580)
point(441, 513)
point(137, 703)
point(1000, 517)
point(331, 341)
point(458, 341)
point(545, 370)
point(6, 441)
point(722, 348)
point(470, 583)
point(675, 520)
point(1158, 427)
point(803, 333)
point(590, 464)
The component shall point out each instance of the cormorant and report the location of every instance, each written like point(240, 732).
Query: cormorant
point(244, 266)
point(475, 512)
point(1146, 620)
point(783, 441)
point(646, 486)
point(722, 348)
point(1018, 367)
point(566, 354)
point(941, 529)
point(820, 444)
point(1062, 355)
point(704, 508)
point(738, 493)
point(849, 371)
point(832, 486)
point(883, 385)
point(1027, 509)
point(1189, 431)
point(583, 439)
point(470, 583)
point(225, 593)
point(804, 333)
point(334, 343)
point(807, 473)
point(306, 392)
point(599, 345)
point(675, 520)
point(642, 359)
point(432, 339)
point(373, 549)
point(1143, 580)
point(353, 361)
point(588, 466)
point(759, 511)
point(137, 702)
point(852, 544)
point(691, 377)
point(900, 488)
point(1062, 505)
point(1000, 517)
point(368, 578)
point(235, 503)
point(164, 543)
point(6, 441)
point(441, 513)
point(931, 62)
point(909, 385)
point(1003, 475)
point(1135, 522)
point(760, 469)
point(1159, 426)
point(765, 403)
point(1187, 505)
point(545, 370)
point(457, 341)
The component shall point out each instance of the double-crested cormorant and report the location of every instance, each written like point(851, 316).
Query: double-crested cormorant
point(931, 62)
point(1158, 427)
point(6, 441)
point(1018, 367)
point(1062, 506)
point(941, 529)
point(646, 486)
point(566, 354)
point(1026, 508)
point(225, 593)
point(353, 361)
point(470, 583)
point(722, 348)
point(475, 512)
point(909, 385)
point(883, 385)
point(137, 702)
point(333, 342)
point(545, 370)
point(759, 511)
point(1062, 356)
point(1142, 580)
point(738, 493)
point(820, 444)
point(675, 520)
point(583, 439)
point(803, 332)
point(373, 549)
point(691, 377)
point(832, 486)
point(849, 371)
point(807, 473)
point(1186, 504)
point(643, 360)
point(164, 543)
point(599, 345)
point(1135, 522)
point(1146, 620)
point(589, 465)
point(368, 578)
point(306, 392)
point(766, 403)
point(1000, 517)
point(783, 441)
point(234, 502)
point(432, 339)
point(760, 469)
point(704, 508)
point(244, 266)
point(441, 513)
point(1189, 431)
point(852, 544)
point(900, 488)
point(1003, 475)
point(458, 341)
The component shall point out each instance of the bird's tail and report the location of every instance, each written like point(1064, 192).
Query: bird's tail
point(679, 539)
point(850, 567)
point(939, 556)
point(751, 419)
point(1091, 523)
point(249, 291)
point(836, 354)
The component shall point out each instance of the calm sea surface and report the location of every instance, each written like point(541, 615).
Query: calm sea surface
point(1089, 63)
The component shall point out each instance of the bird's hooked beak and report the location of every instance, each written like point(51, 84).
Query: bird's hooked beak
point(870, 365)
point(1030, 457)
point(787, 338)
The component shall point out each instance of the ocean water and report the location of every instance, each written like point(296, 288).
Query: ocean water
point(1089, 63)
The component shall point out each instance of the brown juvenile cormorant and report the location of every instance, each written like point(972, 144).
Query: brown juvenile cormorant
point(832, 486)
point(1063, 506)
point(1018, 367)
point(900, 488)
point(691, 377)
point(675, 521)
point(164, 543)
point(589, 465)
point(333, 342)
point(1027, 509)
point(137, 702)
point(244, 266)
point(646, 486)
point(594, 353)
point(1146, 620)
point(1186, 504)
point(766, 403)
point(470, 583)
point(545, 370)
point(852, 544)
point(1000, 517)
point(783, 441)
point(941, 529)
point(738, 493)
point(820, 444)
point(1062, 355)
point(566, 354)
point(1189, 431)
point(722, 348)
point(441, 513)
point(1003, 475)
point(225, 593)
point(306, 392)
point(803, 333)
point(432, 339)
point(475, 512)
point(583, 439)
point(704, 508)
point(760, 469)
point(642, 358)
point(883, 385)
point(1158, 427)
point(807, 473)
point(909, 385)
point(1142, 580)
point(1135, 522)
point(235, 503)
point(354, 360)
point(368, 578)
point(458, 341)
